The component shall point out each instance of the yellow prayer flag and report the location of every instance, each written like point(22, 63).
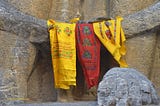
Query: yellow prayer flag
point(63, 51)
point(115, 42)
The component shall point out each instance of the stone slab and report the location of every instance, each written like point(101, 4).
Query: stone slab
point(90, 103)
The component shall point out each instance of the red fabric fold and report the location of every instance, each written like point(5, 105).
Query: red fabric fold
point(88, 51)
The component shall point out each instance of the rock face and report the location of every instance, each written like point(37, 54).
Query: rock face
point(154, 73)
point(126, 87)
point(141, 46)
point(26, 70)
point(16, 62)
point(36, 8)
point(125, 7)
point(143, 50)
point(25, 62)
point(93, 8)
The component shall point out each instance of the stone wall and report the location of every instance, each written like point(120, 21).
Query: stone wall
point(32, 67)
point(29, 65)
point(93, 8)
point(126, 7)
point(142, 51)
point(16, 62)
point(37, 8)
point(154, 73)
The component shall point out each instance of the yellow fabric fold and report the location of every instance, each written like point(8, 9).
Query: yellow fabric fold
point(115, 44)
point(63, 52)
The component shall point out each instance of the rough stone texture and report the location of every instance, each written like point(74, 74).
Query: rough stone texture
point(89, 103)
point(140, 51)
point(141, 21)
point(20, 56)
point(154, 73)
point(85, 9)
point(16, 22)
point(37, 27)
point(28, 28)
point(36, 8)
point(93, 8)
point(126, 87)
point(64, 10)
point(17, 57)
point(40, 82)
point(126, 7)
point(8, 85)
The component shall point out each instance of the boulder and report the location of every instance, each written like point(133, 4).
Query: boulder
point(126, 87)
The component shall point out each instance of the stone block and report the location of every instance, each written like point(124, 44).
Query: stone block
point(130, 88)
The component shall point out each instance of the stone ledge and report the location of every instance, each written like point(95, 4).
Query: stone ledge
point(90, 103)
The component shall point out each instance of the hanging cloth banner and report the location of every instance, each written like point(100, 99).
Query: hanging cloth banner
point(111, 35)
point(63, 51)
point(88, 51)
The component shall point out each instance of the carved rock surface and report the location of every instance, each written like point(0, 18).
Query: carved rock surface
point(126, 87)
point(37, 29)
point(143, 50)
point(23, 62)
point(35, 8)
point(31, 63)
point(16, 61)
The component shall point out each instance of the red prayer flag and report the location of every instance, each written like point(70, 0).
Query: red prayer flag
point(88, 51)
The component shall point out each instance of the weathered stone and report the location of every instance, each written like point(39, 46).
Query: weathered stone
point(16, 62)
point(33, 81)
point(140, 51)
point(64, 9)
point(154, 73)
point(36, 8)
point(37, 28)
point(93, 8)
point(126, 87)
point(142, 20)
point(40, 82)
point(87, 103)
point(135, 20)
point(126, 7)
point(8, 84)
point(28, 28)
point(16, 22)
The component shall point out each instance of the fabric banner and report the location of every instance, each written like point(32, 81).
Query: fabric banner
point(63, 51)
point(111, 34)
point(88, 51)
